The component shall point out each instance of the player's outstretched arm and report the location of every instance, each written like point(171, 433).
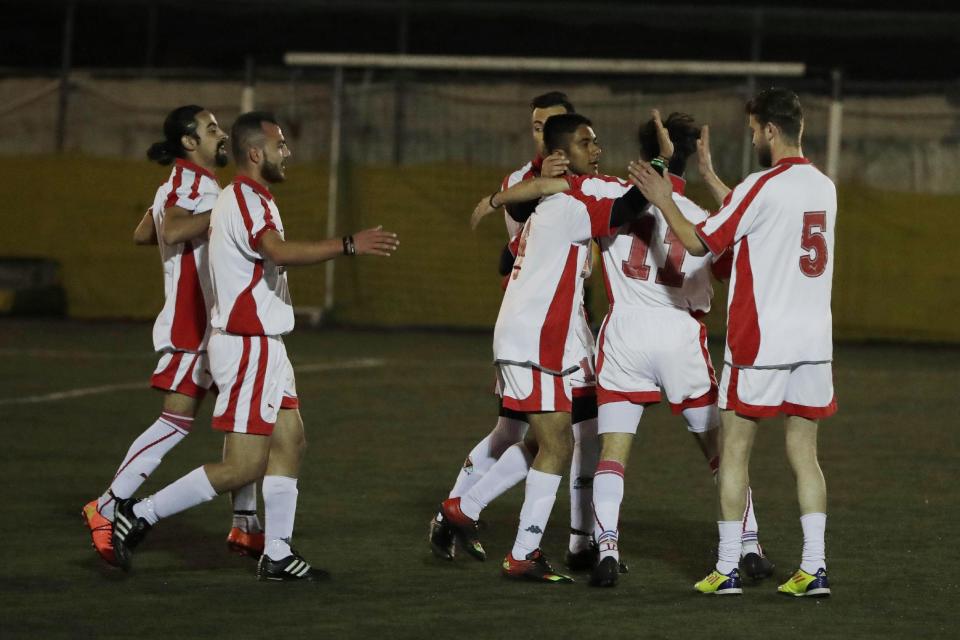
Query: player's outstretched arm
point(658, 189)
point(146, 232)
point(179, 225)
point(705, 166)
point(369, 242)
point(520, 192)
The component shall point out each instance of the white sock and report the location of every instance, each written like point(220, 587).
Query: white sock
point(749, 538)
point(607, 496)
point(814, 548)
point(280, 509)
point(245, 509)
point(586, 454)
point(541, 493)
point(143, 456)
point(189, 491)
point(728, 551)
point(510, 469)
point(486, 453)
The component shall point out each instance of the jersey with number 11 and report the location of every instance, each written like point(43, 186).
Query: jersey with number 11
point(780, 223)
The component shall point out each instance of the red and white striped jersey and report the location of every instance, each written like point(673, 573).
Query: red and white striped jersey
point(645, 264)
point(780, 223)
point(545, 290)
point(526, 172)
point(184, 320)
point(251, 297)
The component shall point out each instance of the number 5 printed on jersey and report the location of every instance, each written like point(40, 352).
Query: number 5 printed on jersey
point(813, 264)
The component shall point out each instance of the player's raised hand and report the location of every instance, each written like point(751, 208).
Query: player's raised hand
point(375, 242)
point(481, 211)
point(704, 159)
point(663, 136)
point(656, 188)
point(554, 165)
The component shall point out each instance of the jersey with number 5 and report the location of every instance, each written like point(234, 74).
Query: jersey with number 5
point(645, 264)
point(780, 223)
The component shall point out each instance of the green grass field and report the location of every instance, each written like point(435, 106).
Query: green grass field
point(389, 418)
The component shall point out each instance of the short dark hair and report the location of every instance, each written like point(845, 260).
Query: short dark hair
point(552, 99)
point(780, 107)
point(684, 133)
point(180, 122)
point(558, 130)
point(247, 132)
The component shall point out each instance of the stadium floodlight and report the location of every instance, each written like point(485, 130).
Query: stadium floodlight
point(546, 65)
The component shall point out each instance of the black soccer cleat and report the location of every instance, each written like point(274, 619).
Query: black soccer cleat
point(441, 539)
point(606, 573)
point(293, 568)
point(583, 560)
point(128, 532)
point(756, 566)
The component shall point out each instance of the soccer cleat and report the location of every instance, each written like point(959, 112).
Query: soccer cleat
point(293, 568)
point(464, 528)
point(101, 531)
point(756, 566)
point(718, 584)
point(128, 532)
point(802, 584)
point(606, 573)
point(441, 539)
point(533, 567)
point(245, 543)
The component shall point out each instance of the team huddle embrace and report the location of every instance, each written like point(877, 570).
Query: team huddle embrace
point(568, 402)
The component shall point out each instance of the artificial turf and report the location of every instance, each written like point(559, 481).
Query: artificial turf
point(389, 417)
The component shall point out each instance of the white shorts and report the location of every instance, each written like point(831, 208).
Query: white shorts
point(583, 381)
point(647, 351)
point(804, 390)
point(530, 390)
point(255, 379)
point(183, 372)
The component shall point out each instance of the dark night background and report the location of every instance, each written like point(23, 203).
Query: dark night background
point(880, 46)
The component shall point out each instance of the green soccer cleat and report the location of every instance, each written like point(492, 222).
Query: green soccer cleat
point(718, 584)
point(534, 567)
point(802, 584)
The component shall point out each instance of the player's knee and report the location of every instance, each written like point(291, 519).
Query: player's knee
point(702, 419)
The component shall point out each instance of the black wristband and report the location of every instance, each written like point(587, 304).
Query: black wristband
point(660, 164)
point(490, 200)
point(349, 248)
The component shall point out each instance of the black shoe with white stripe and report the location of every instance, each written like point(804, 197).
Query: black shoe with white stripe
point(128, 531)
point(293, 568)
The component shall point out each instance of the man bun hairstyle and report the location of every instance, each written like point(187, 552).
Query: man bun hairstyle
point(552, 99)
point(558, 130)
point(684, 133)
point(180, 122)
point(247, 132)
point(780, 107)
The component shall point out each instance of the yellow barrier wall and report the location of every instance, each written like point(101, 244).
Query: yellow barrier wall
point(894, 275)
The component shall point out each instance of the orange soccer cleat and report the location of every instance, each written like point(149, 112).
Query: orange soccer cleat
point(245, 543)
point(101, 531)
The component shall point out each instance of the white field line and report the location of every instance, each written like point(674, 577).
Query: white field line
point(69, 394)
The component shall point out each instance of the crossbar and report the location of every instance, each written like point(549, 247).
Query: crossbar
point(546, 65)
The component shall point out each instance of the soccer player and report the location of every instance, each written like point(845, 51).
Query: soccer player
point(652, 344)
point(780, 222)
point(504, 446)
point(178, 222)
point(257, 407)
point(534, 336)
